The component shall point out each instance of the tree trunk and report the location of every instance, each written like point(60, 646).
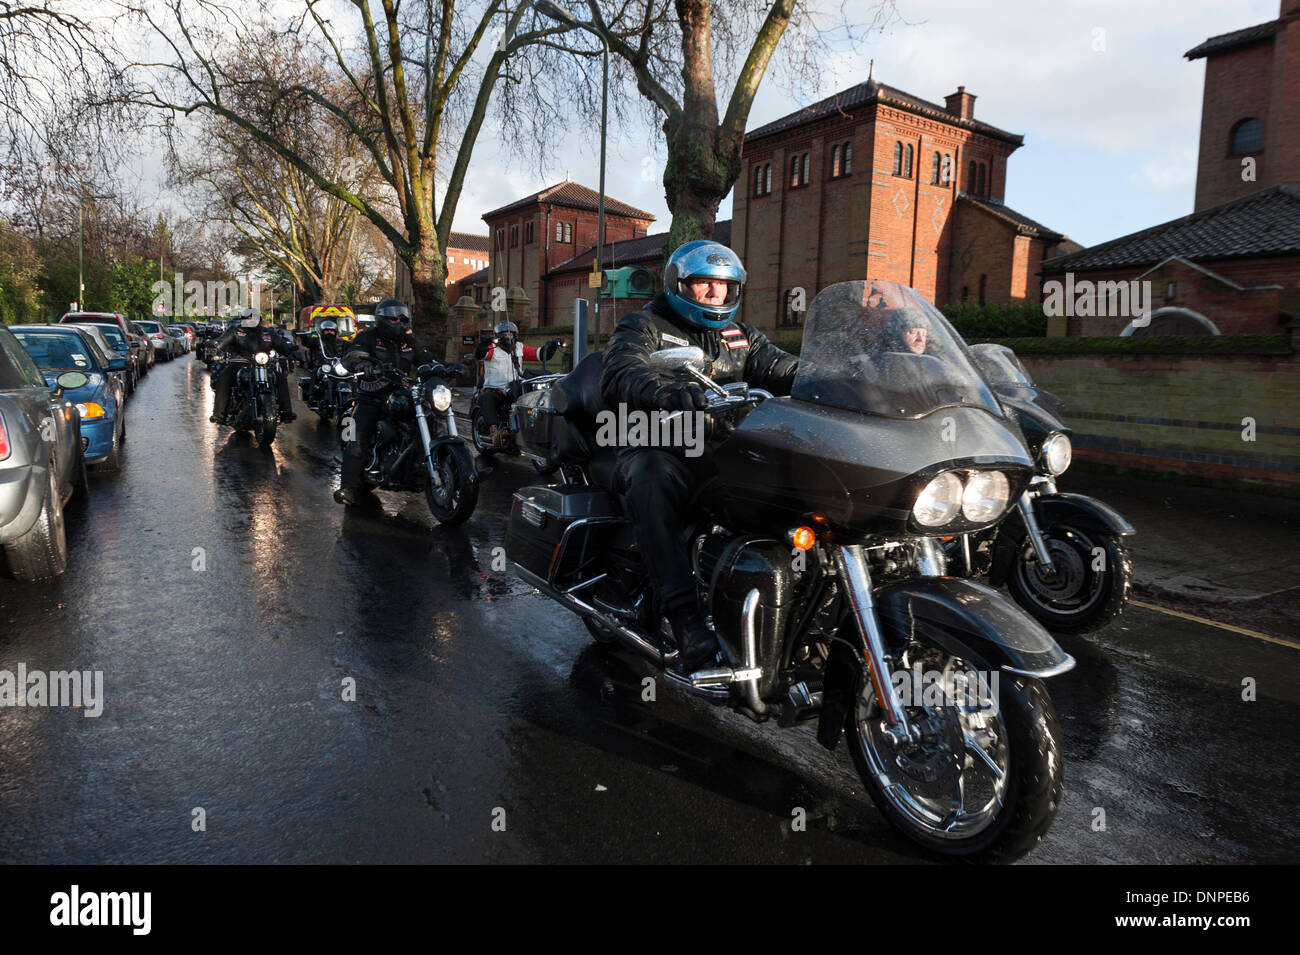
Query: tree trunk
point(429, 307)
point(698, 176)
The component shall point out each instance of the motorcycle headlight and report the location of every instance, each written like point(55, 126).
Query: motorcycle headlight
point(441, 397)
point(940, 501)
point(1056, 454)
point(986, 496)
point(261, 358)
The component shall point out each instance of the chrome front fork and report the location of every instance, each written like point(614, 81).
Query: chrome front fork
point(422, 422)
point(851, 565)
point(1035, 535)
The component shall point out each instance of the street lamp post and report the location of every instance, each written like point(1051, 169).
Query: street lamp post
point(549, 9)
point(81, 230)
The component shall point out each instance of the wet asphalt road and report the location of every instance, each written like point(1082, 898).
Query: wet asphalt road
point(478, 700)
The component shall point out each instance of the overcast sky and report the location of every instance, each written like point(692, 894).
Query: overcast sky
point(1108, 106)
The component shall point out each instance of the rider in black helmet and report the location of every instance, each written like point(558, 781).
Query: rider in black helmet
point(389, 344)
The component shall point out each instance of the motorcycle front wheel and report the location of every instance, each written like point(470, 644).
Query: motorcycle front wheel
point(453, 503)
point(482, 438)
point(985, 780)
point(1087, 587)
point(270, 422)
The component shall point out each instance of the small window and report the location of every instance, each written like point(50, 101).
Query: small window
point(559, 232)
point(514, 235)
point(528, 232)
point(947, 170)
point(935, 172)
point(970, 182)
point(501, 239)
point(767, 178)
point(758, 180)
point(568, 232)
point(1247, 137)
point(848, 158)
point(835, 162)
point(806, 177)
point(907, 163)
point(981, 188)
point(794, 171)
point(983, 281)
point(898, 159)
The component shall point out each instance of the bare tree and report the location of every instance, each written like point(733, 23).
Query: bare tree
point(679, 54)
point(418, 82)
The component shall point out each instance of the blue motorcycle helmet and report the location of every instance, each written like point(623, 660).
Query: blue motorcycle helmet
point(703, 259)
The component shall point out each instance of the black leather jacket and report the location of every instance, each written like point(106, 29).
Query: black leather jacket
point(250, 341)
point(738, 352)
point(404, 353)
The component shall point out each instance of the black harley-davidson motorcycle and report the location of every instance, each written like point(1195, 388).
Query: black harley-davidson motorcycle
point(1063, 557)
point(324, 393)
point(254, 405)
point(416, 447)
point(817, 558)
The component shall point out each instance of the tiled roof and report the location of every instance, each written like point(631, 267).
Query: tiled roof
point(871, 91)
point(1227, 41)
point(474, 278)
point(1007, 214)
point(639, 251)
point(1266, 222)
point(574, 196)
point(467, 240)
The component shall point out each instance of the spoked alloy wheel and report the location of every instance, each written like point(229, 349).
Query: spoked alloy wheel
point(1073, 597)
point(453, 503)
point(985, 780)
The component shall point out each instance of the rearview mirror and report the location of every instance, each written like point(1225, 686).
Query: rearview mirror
point(71, 380)
point(673, 359)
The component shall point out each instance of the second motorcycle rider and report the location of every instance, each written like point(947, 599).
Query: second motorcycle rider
point(702, 285)
point(390, 343)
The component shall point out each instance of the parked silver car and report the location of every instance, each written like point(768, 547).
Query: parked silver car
point(41, 463)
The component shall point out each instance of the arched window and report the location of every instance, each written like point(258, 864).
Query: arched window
point(794, 171)
point(568, 232)
point(767, 178)
point(1247, 137)
point(559, 232)
point(758, 180)
point(907, 163)
point(970, 180)
point(947, 169)
point(934, 173)
point(898, 159)
point(835, 161)
point(848, 158)
point(806, 177)
point(979, 189)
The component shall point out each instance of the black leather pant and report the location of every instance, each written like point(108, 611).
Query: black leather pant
point(365, 417)
point(656, 487)
point(491, 403)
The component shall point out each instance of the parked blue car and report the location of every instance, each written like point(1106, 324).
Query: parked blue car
point(100, 402)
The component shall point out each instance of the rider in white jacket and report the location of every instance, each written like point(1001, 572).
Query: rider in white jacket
point(501, 359)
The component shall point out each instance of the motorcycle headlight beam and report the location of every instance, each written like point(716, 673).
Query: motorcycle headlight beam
point(441, 397)
point(1056, 454)
point(986, 496)
point(261, 358)
point(940, 501)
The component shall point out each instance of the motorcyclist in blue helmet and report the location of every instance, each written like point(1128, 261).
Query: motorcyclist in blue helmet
point(703, 282)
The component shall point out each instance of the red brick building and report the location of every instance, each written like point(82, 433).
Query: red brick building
point(1250, 114)
point(531, 236)
point(466, 253)
point(874, 183)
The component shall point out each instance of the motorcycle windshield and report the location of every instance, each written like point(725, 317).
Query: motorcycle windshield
point(1003, 370)
point(881, 348)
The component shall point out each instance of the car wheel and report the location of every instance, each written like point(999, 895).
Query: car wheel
point(43, 551)
point(114, 460)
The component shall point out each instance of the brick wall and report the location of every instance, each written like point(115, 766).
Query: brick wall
point(1238, 85)
point(1182, 414)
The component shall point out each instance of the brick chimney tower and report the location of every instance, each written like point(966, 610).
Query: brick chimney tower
point(962, 104)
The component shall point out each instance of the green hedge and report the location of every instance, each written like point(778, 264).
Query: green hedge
point(1014, 320)
point(1152, 345)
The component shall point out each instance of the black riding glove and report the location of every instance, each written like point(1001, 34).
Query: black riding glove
point(681, 396)
point(550, 348)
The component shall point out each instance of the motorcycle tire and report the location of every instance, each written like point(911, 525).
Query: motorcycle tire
point(454, 502)
point(1076, 598)
point(1024, 734)
point(482, 439)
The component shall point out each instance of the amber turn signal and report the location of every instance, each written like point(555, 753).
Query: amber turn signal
point(803, 538)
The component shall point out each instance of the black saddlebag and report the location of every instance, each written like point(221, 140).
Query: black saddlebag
point(543, 431)
point(545, 538)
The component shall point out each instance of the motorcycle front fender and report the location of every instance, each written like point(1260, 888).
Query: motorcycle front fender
point(1087, 514)
point(956, 615)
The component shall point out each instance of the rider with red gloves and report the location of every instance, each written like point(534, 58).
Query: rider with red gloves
point(501, 372)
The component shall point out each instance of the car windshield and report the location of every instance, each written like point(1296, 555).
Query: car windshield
point(114, 336)
point(152, 327)
point(54, 352)
point(881, 348)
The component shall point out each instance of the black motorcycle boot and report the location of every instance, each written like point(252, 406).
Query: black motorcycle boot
point(697, 647)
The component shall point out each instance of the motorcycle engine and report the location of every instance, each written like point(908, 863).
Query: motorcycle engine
point(729, 568)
